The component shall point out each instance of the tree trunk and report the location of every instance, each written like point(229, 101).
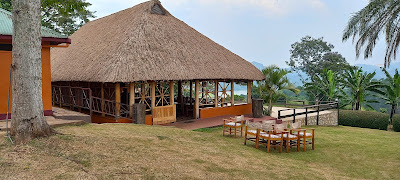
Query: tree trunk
point(392, 112)
point(28, 121)
point(270, 105)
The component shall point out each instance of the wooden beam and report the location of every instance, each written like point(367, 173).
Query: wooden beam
point(196, 102)
point(191, 92)
point(249, 91)
point(180, 96)
point(117, 99)
point(232, 93)
point(132, 87)
point(216, 93)
point(153, 94)
point(171, 92)
point(102, 100)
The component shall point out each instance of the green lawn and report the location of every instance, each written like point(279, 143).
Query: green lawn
point(116, 151)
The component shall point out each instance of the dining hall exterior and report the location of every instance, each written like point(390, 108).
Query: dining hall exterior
point(145, 58)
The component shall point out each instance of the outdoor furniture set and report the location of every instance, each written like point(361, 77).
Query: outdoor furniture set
point(270, 134)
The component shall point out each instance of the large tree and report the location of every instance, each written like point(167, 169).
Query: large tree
point(64, 16)
point(311, 56)
point(28, 120)
point(275, 81)
point(379, 17)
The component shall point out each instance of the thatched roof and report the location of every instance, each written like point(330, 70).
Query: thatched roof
point(139, 44)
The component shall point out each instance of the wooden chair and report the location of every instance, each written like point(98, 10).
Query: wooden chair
point(235, 123)
point(289, 139)
point(303, 135)
point(251, 132)
point(268, 138)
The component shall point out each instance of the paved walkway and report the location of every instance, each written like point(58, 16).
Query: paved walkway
point(61, 117)
point(213, 122)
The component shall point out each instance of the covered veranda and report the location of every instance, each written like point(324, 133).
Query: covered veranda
point(144, 56)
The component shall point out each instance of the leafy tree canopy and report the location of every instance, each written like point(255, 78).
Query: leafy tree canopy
point(64, 16)
point(312, 56)
point(379, 17)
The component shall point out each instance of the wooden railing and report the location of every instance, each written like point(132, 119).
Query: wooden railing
point(82, 98)
point(164, 114)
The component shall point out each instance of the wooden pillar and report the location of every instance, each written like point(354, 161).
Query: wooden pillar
point(232, 93)
point(117, 99)
point(249, 91)
point(216, 94)
point(131, 98)
point(153, 95)
point(196, 102)
point(102, 100)
point(180, 96)
point(171, 93)
point(191, 92)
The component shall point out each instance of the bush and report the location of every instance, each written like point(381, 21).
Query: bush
point(364, 119)
point(396, 123)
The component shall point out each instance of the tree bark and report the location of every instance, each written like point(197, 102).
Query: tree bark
point(28, 121)
point(392, 112)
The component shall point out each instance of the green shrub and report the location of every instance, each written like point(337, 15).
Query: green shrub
point(396, 123)
point(364, 119)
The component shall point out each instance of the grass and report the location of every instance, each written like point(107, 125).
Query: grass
point(127, 151)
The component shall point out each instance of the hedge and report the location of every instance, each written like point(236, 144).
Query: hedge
point(396, 123)
point(364, 119)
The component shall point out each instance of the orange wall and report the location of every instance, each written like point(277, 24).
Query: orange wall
point(5, 61)
point(230, 110)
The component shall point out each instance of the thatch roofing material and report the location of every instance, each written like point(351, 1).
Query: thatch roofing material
point(137, 45)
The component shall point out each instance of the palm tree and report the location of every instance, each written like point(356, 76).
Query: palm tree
point(391, 92)
point(275, 81)
point(324, 85)
point(360, 85)
point(379, 16)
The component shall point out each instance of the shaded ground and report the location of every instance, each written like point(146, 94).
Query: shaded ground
point(62, 117)
point(127, 151)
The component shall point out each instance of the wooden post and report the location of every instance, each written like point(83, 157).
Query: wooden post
point(249, 92)
point(191, 92)
point(233, 93)
point(171, 93)
point(153, 95)
point(131, 98)
point(117, 99)
point(102, 101)
point(196, 102)
point(180, 97)
point(216, 94)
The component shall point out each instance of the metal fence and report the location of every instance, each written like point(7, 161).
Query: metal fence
point(322, 106)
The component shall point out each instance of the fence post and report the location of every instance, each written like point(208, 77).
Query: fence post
point(279, 114)
point(338, 107)
point(294, 115)
point(306, 120)
point(317, 115)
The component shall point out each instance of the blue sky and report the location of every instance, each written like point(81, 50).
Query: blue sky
point(262, 30)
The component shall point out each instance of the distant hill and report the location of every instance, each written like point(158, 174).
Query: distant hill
point(295, 78)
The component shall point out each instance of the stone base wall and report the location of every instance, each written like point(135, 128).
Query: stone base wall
point(326, 119)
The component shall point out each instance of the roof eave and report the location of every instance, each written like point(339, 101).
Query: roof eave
point(44, 39)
